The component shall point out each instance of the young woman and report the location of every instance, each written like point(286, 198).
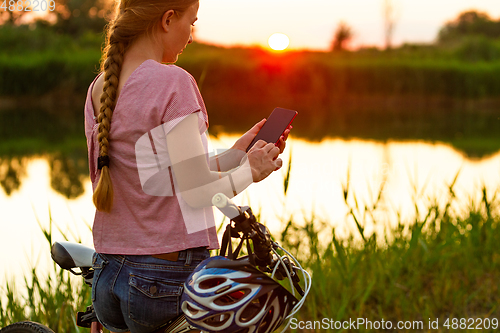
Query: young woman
point(152, 176)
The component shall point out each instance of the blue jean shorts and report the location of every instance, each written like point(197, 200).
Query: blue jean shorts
point(140, 293)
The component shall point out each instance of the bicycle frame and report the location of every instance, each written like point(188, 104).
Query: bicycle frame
point(70, 256)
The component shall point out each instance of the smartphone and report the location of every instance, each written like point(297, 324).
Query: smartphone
point(275, 126)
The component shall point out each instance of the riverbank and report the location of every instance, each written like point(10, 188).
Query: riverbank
point(396, 72)
point(403, 94)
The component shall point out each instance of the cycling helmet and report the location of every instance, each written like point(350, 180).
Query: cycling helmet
point(223, 295)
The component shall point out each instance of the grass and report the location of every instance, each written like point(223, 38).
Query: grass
point(51, 299)
point(442, 264)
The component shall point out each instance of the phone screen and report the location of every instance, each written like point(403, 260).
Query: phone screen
point(275, 125)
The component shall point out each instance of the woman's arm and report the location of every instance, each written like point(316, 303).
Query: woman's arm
point(197, 183)
point(227, 160)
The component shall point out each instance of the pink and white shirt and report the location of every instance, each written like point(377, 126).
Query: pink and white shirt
point(148, 215)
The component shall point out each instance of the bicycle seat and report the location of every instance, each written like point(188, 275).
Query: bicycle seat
point(70, 255)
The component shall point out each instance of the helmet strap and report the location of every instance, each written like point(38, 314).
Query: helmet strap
point(232, 232)
point(246, 228)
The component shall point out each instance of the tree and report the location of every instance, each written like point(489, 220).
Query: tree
point(342, 36)
point(72, 17)
point(469, 23)
point(12, 17)
point(389, 12)
point(75, 17)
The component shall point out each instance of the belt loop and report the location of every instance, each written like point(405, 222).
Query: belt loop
point(189, 257)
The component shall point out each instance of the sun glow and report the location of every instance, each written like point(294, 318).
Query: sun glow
point(278, 41)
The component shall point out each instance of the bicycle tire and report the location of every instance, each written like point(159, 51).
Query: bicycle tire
point(26, 327)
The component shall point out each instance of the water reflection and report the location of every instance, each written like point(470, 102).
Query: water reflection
point(378, 164)
point(407, 176)
point(11, 172)
point(58, 136)
point(67, 174)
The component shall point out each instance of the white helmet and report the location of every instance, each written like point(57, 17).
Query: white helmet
point(223, 295)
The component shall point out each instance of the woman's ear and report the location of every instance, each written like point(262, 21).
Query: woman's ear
point(166, 19)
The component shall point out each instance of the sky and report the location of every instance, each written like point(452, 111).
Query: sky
point(311, 23)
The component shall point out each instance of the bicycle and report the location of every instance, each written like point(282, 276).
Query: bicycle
point(243, 225)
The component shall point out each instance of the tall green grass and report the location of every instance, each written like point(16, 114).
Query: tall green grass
point(52, 299)
point(443, 263)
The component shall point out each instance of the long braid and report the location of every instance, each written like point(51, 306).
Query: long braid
point(133, 18)
point(111, 66)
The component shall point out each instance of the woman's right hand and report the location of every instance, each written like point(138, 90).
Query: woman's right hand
point(263, 159)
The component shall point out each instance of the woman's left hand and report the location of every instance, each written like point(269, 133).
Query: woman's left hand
point(245, 140)
point(282, 141)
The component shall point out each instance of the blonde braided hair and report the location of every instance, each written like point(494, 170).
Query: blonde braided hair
point(133, 19)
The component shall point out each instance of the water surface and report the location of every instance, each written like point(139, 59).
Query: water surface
point(406, 173)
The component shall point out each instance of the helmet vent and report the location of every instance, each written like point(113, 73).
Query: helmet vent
point(191, 310)
point(217, 320)
point(266, 323)
point(244, 330)
point(210, 283)
point(253, 308)
point(232, 298)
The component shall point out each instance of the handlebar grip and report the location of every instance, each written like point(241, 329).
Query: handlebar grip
point(226, 206)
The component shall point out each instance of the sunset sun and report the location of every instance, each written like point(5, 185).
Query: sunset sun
point(278, 41)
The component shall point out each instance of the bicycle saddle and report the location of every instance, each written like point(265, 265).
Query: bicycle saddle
point(70, 255)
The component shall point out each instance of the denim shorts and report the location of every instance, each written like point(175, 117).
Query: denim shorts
point(140, 293)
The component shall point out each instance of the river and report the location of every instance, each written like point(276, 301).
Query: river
point(406, 174)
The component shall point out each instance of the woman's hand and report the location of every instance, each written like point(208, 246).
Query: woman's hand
point(282, 141)
point(263, 158)
point(245, 140)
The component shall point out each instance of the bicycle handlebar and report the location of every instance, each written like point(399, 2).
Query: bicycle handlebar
point(226, 206)
point(246, 223)
point(263, 246)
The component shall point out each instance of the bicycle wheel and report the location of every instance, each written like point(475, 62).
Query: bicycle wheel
point(26, 327)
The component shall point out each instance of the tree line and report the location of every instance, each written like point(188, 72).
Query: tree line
point(79, 24)
point(465, 27)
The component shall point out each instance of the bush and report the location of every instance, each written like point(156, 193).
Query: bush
point(24, 39)
point(478, 48)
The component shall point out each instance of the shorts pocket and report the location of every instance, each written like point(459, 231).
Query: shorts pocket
point(98, 264)
point(153, 301)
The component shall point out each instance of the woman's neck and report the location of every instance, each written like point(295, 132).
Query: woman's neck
point(142, 49)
